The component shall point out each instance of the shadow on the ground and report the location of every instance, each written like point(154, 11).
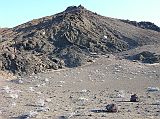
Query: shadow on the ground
point(99, 111)
point(127, 101)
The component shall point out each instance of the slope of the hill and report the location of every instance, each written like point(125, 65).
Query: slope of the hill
point(143, 25)
point(68, 39)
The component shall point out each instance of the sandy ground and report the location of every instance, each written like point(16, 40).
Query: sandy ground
point(83, 92)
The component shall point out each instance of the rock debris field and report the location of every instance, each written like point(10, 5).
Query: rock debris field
point(84, 92)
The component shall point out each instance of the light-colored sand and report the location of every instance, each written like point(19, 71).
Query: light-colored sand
point(77, 93)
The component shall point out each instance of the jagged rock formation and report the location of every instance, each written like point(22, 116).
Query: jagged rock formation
point(143, 25)
point(67, 39)
point(146, 57)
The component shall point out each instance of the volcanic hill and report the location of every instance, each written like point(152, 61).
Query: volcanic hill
point(70, 39)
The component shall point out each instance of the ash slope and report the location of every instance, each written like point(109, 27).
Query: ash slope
point(68, 39)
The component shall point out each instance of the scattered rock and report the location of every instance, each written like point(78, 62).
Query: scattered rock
point(48, 100)
point(13, 104)
point(6, 89)
point(112, 108)
point(46, 80)
point(90, 60)
point(84, 91)
point(42, 109)
point(20, 81)
point(40, 102)
point(31, 114)
point(134, 98)
point(152, 89)
point(62, 117)
point(82, 101)
point(62, 82)
point(13, 95)
point(31, 89)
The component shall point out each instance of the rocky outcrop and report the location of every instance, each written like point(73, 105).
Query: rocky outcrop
point(143, 25)
point(146, 57)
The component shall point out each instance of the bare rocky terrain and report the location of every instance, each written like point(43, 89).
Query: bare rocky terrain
point(83, 92)
point(73, 64)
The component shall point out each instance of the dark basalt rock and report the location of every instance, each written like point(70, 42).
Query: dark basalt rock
point(144, 25)
point(134, 98)
point(74, 8)
point(112, 108)
point(146, 57)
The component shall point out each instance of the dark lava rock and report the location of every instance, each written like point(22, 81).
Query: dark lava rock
point(134, 98)
point(62, 117)
point(74, 8)
point(143, 25)
point(112, 108)
point(146, 57)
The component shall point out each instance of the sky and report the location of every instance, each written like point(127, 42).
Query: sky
point(16, 12)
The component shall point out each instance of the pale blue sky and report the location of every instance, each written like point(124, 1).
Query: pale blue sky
point(15, 12)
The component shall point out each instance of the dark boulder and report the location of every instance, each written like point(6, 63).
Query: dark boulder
point(146, 57)
point(134, 98)
point(112, 108)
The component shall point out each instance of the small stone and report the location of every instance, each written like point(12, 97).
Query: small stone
point(152, 89)
point(105, 37)
point(48, 100)
point(89, 60)
point(90, 115)
point(31, 114)
point(40, 102)
point(39, 93)
point(112, 108)
point(31, 89)
point(43, 84)
point(13, 104)
point(62, 117)
point(38, 85)
point(20, 82)
point(84, 90)
point(46, 79)
point(13, 95)
point(134, 98)
point(59, 85)
point(61, 81)
point(42, 109)
point(6, 89)
point(103, 115)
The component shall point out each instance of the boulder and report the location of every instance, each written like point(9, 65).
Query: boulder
point(134, 98)
point(112, 108)
point(146, 57)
